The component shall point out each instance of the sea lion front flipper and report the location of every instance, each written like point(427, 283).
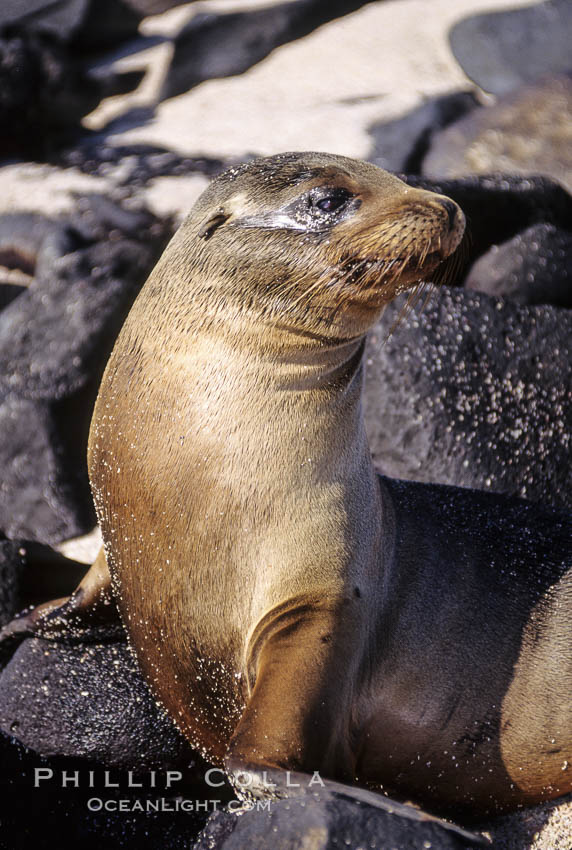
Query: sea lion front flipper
point(295, 714)
point(90, 605)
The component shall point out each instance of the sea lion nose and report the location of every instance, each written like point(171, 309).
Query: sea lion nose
point(452, 212)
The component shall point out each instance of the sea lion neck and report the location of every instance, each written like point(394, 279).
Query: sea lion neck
point(291, 358)
point(336, 367)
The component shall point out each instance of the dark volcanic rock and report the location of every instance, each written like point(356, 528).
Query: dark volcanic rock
point(401, 145)
point(45, 91)
point(328, 820)
point(154, 7)
point(28, 240)
point(224, 45)
point(474, 391)
point(86, 700)
point(31, 573)
point(526, 132)
point(54, 335)
point(60, 19)
point(105, 24)
point(82, 707)
point(42, 495)
point(85, 24)
point(33, 814)
point(501, 205)
point(55, 338)
point(42, 93)
point(12, 560)
point(133, 166)
point(48, 81)
point(502, 50)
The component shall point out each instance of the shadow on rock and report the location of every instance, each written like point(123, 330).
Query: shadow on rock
point(213, 46)
point(89, 812)
point(334, 816)
point(48, 81)
point(401, 145)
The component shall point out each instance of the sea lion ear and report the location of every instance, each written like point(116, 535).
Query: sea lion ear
point(210, 224)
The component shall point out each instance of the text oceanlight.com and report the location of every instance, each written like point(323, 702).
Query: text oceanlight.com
point(163, 804)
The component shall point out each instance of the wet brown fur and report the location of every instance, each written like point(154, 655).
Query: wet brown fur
point(251, 545)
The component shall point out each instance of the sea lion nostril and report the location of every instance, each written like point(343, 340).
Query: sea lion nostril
point(452, 209)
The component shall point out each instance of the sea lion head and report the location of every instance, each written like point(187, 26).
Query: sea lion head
point(314, 242)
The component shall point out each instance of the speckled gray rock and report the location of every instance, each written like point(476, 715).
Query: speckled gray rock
point(534, 267)
point(502, 50)
point(401, 145)
point(326, 820)
point(474, 391)
point(526, 132)
point(57, 333)
point(86, 700)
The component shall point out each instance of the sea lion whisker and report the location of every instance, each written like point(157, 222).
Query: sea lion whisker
point(308, 292)
point(405, 310)
point(431, 289)
point(412, 298)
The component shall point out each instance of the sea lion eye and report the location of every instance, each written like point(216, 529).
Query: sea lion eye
point(331, 201)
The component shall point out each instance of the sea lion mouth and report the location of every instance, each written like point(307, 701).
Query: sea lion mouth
point(370, 283)
point(375, 273)
point(435, 257)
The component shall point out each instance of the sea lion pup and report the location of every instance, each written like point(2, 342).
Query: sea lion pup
point(290, 608)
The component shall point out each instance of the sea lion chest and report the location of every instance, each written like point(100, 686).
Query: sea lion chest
point(224, 493)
